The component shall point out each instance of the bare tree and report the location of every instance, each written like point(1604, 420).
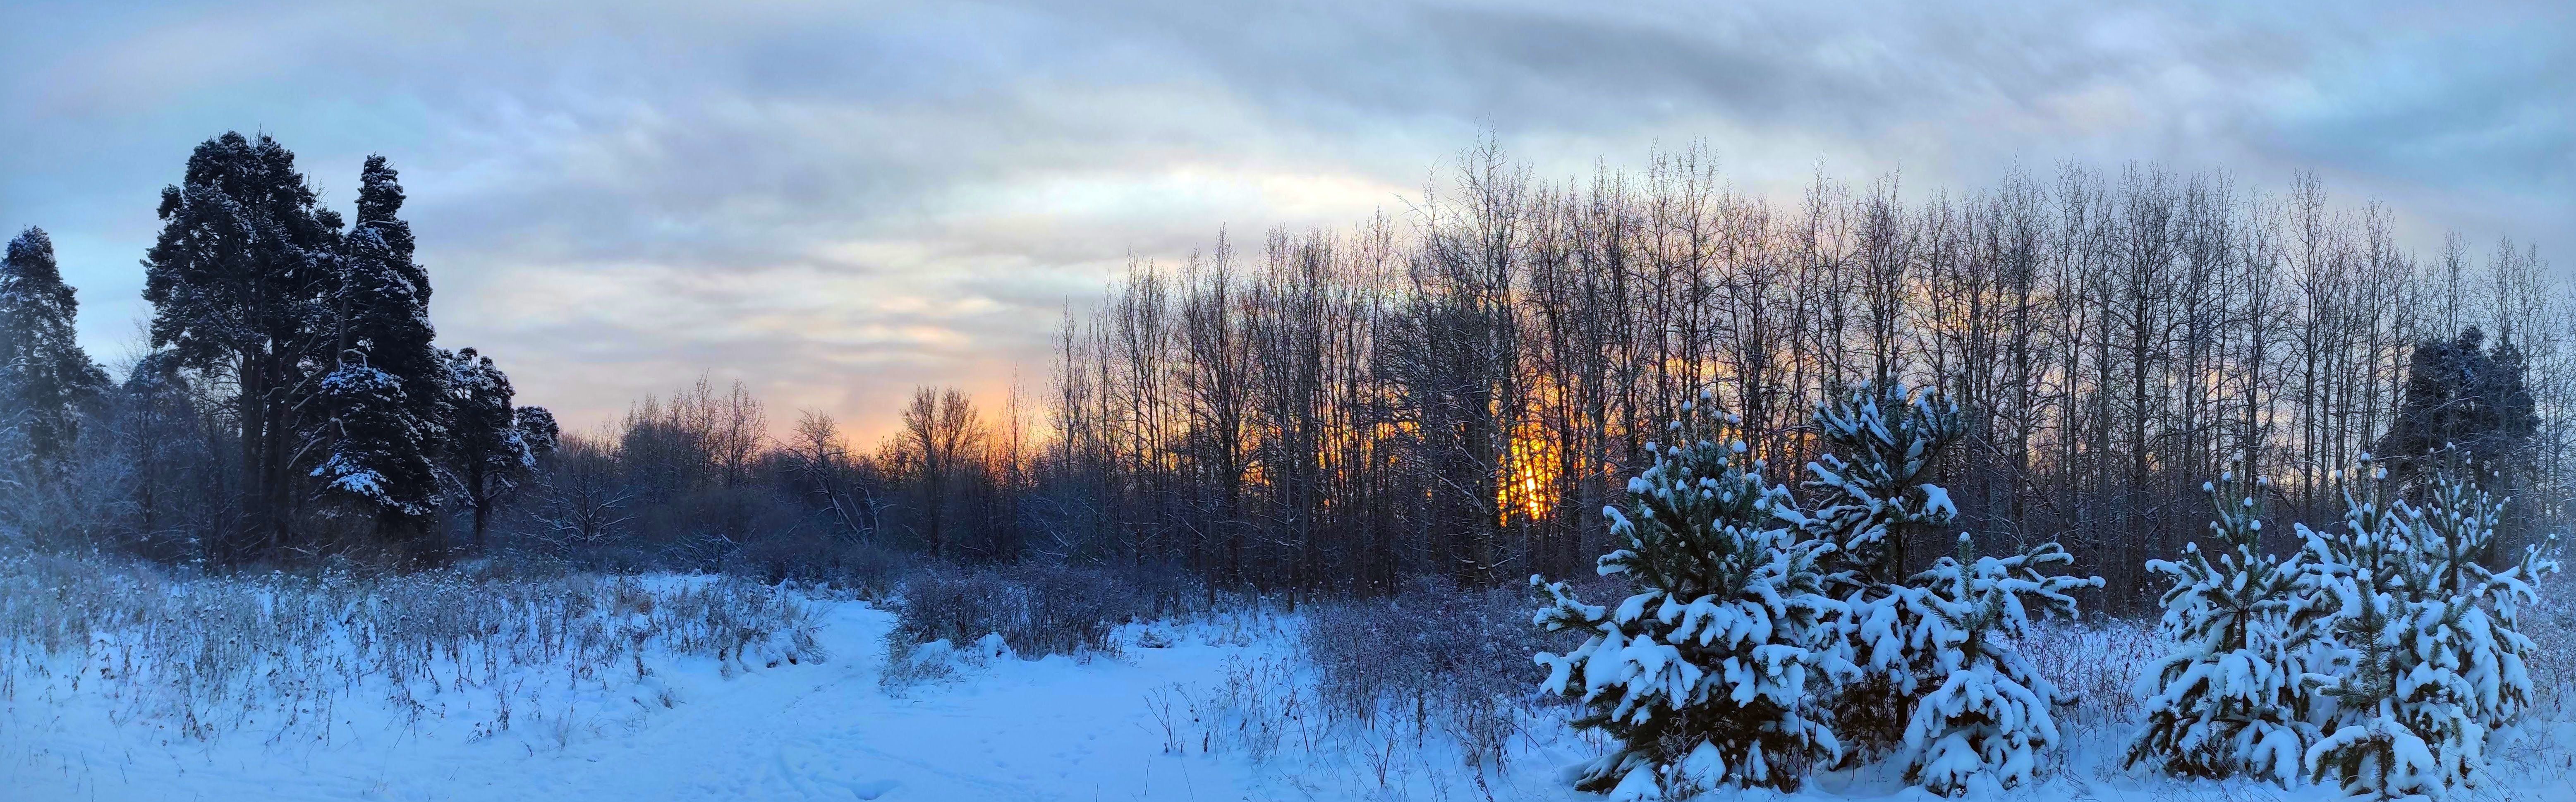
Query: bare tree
point(939, 440)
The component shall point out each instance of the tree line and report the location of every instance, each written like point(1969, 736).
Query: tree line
point(1457, 388)
point(1462, 388)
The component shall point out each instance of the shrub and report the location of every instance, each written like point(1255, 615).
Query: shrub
point(1037, 609)
point(1432, 658)
point(208, 654)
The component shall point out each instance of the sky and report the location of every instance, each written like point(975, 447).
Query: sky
point(835, 202)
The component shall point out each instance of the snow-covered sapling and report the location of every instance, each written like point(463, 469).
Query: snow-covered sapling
point(1880, 444)
point(1990, 716)
point(1941, 687)
point(2436, 655)
point(1871, 498)
point(2234, 696)
point(1703, 675)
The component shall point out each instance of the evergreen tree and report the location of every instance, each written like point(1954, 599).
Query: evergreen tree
point(492, 444)
point(384, 397)
point(1703, 675)
point(2463, 399)
point(1940, 679)
point(373, 460)
point(384, 295)
point(45, 377)
point(1880, 442)
point(1990, 715)
point(2235, 697)
point(240, 280)
point(2436, 655)
point(538, 429)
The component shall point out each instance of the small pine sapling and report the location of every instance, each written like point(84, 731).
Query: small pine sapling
point(1941, 686)
point(1990, 715)
point(2436, 658)
point(2233, 699)
point(1702, 676)
point(1881, 442)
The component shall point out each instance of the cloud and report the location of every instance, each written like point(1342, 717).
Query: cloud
point(836, 201)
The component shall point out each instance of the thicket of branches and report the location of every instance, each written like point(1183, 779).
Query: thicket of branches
point(696, 480)
point(1457, 390)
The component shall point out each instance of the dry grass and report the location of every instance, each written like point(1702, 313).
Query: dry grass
point(208, 656)
point(2096, 662)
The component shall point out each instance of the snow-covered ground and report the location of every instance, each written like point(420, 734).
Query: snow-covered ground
point(1209, 709)
point(1054, 728)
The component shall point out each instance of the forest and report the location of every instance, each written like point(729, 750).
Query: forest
point(1455, 388)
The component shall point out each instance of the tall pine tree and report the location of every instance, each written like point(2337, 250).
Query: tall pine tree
point(44, 375)
point(492, 444)
point(240, 282)
point(384, 399)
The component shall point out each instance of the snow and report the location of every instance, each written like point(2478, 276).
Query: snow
point(816, 731)
point(1002, 728)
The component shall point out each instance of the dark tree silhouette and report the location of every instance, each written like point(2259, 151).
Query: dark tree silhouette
point(44, 375)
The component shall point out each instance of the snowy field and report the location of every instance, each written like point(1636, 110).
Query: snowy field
point(125, 686)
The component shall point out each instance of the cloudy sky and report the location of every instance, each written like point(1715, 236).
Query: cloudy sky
point(835, 201)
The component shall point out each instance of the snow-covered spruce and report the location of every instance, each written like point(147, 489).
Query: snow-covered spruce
point(2436, 655)
point(1702, 676)
point(372, 440)
point(1870, 498)
point(45, 377)
point(2234, 698)
point(383, 403)
point(1990, 715)
point(1941, 688)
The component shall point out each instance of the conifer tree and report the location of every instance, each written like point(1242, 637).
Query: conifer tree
point(2437, 658)
point(45, 377)
point(1872, 500)
point(2463, 400)
point(1940, 680)
point(1703, 675)
point(384, 396)
point(384, 294)
point(538, 429)
point(240, 280)
point(491, 444)
point(1990, 715)
point(1881, 442)
point(2235, 697)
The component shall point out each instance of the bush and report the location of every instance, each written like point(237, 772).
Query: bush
point(1433, 658)
point(1037, 609)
